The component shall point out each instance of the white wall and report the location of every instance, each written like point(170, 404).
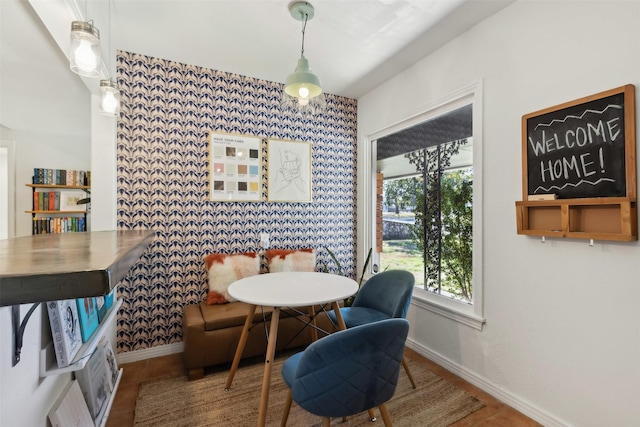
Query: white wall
point(49, 125)
point(562, 334)
point(25, 398)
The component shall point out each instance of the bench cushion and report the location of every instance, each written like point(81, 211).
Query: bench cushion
point(220, 316)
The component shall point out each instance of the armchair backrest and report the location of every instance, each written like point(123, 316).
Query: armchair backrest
point(350, 371)
point(388, 292)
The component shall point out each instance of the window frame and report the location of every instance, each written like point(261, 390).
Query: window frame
point(472, 314)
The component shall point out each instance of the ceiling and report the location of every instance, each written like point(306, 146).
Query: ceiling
point(352, 45)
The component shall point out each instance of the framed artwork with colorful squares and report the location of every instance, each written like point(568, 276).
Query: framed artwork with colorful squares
point(235, 163)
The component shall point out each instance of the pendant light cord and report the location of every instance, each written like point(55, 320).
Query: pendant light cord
point(304, 27)
point(109, 41)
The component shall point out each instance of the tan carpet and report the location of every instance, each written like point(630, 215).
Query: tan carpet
point(178, 402)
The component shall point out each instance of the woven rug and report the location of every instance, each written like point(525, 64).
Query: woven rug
point(178, 402)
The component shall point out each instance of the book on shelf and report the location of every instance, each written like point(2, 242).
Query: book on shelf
point(110, 359)
point(109, 298)
point(46, 176)
point(71, 408)
point(88, 315)
point(102, 308)
point(531, 197)
point(52, 200)
point(65, 330)
point(94, 383)
point(43, 225)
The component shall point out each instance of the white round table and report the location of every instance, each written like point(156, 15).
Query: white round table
point(292, 289)
point(286, 289)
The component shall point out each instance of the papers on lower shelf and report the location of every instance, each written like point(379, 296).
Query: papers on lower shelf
point(95, 381)
point(70, 410)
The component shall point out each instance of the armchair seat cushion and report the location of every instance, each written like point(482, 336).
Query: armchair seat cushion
point(356, 316)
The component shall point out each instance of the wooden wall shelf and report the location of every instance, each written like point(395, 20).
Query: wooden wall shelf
point(603, 218)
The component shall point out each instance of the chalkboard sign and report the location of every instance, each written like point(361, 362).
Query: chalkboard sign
point(581, 148)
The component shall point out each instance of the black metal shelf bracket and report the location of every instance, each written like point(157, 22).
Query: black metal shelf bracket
point(18, 329)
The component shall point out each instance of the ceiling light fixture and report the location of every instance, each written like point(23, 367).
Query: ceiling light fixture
point(109, 97)
point(109, 90)
point(302, 89)
point(84, 57)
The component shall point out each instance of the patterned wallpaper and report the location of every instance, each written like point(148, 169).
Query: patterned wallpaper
point(163, 173)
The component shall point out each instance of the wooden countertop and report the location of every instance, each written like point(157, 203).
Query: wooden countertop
point(48, 267)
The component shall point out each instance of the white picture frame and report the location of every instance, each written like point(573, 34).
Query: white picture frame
point(69, 199)
point(235, 167)
point(288, 171)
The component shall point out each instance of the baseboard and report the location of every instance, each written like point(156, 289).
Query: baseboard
point(150, 353)
point(499, 393)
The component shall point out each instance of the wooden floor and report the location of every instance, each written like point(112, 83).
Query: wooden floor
point(494, 414)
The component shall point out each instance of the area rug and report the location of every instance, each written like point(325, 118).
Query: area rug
point(178, 402)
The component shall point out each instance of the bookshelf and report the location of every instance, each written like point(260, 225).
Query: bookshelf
point(48, 365)
point(49, 267)
point(51, 213)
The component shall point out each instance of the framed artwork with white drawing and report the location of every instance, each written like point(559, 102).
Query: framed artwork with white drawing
point(289, 171)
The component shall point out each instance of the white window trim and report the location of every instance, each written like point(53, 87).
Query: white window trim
point(471, 315)
point(8, 190)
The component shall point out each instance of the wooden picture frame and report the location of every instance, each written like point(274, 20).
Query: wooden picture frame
point(582, 148)
point(235, 167)
point(579, 169)
point(289, 171)
point(69, 199)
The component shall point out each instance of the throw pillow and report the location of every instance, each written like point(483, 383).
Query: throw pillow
point(291, 260)
point(225, 269)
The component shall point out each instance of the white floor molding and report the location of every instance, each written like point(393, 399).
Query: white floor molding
point(482, 383)
point(150, 353)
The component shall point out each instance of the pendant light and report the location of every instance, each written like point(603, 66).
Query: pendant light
point(109, 90)
point(302, 90)
point(109, 97)
point(84, 58)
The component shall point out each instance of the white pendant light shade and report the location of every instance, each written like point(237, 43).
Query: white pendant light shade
point(109, 98)
point(84, 57)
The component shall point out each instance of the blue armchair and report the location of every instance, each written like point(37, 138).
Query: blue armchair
point(385, 295)
point(347, 372)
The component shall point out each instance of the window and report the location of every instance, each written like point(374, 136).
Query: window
point(427, 210)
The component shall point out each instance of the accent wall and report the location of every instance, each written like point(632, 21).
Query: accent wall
point(163, 173)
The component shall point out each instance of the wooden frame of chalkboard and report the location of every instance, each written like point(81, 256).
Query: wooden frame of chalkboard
point(579, 168)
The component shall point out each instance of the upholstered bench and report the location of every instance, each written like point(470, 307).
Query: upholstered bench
point(211, 329)
point(211, 333)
